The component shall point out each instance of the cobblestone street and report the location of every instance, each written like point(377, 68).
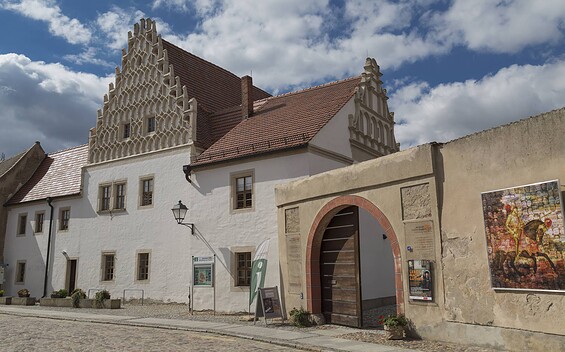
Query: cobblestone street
point(38, 334)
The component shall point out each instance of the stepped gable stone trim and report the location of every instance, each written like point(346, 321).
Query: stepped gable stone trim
point(59, 174)
point(146, 87)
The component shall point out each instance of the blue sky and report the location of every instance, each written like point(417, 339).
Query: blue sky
point(451, 67)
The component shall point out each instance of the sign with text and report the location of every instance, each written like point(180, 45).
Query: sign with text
point(203, 274)
point(420, 239)
point(268, 304)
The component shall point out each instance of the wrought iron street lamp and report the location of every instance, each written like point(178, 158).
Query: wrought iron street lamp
point(179, 211)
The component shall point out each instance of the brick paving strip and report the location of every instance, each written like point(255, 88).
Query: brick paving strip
point(176, 317)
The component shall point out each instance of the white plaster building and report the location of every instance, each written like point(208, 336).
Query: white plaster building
point(112, 226)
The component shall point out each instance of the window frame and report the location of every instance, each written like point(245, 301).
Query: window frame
point(38, 225)
point(19, 272)
point(150, 121)
point(126, 130)
point(235, 287)
point(246, 268)
point(117, 185)
point(142, 192)
point(64, 226)
point(102, 199)
point(21, 230)
point(104, 267)
point(234, 191)
point(138, 255)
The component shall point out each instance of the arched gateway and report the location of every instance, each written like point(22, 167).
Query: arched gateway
point(337, 222)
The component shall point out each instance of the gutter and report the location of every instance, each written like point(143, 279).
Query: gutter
point(49, 201)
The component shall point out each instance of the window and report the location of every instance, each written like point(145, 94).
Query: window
point(108, 261)
point(126, 130)
point(64, 219)
point(39, 218)
point(120, 196)
point(142, 266)
point(20, 271)
point(105, 194)
point(151, 124)
point(243, 262)
point(22, 222)
point(146, 191)
point(244, 192)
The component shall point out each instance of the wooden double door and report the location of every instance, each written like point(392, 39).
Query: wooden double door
point(339, 270)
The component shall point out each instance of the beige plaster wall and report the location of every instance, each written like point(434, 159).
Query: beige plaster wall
point(380, 181)
point(525, 152)
point(465, 309)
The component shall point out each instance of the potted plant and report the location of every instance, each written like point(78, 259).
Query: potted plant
point(394, 326)
point(62, 293)
point(300, 317)
point(24, 292)
point(76, 296)
point(100, 297)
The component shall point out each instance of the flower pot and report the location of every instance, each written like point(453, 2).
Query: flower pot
point(394, 332)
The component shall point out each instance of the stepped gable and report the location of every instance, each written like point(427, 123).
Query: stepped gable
point(58, 175)
point(282, 122)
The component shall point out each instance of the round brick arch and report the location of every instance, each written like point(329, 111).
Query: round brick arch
point(321, 221)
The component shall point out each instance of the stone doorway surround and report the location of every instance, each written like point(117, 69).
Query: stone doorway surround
point(316, 233)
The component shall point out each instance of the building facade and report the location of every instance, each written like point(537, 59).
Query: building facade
point(176, 127)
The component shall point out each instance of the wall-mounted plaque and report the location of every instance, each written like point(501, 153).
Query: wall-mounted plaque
point(203, 274)
point(420, 240)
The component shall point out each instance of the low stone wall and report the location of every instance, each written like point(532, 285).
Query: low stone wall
point(23, 301)
point(83, 303)
point(5, 300)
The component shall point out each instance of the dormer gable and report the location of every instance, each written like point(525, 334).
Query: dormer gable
point(371, 126)
point(146, 108)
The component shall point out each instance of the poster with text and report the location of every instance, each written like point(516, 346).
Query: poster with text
point(420, 280)
point(525, 237)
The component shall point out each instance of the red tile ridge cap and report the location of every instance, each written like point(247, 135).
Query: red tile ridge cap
point(324, 85)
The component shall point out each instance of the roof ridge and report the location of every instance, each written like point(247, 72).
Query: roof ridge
point(67, 149)
point(327, 84)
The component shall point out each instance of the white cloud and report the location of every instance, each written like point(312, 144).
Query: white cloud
point(46, 102)
point(115, 24)
point(452, 110)
point(88, 56)
point(60, 25)
point(502, 26)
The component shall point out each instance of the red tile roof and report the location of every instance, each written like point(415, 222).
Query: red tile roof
point(282, 122)
point(213, 87)
point(58, 175)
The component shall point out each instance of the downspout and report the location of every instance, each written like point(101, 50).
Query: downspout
point(49, 201)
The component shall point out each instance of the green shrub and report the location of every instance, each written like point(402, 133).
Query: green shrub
point(24, 292)
point(101, 296)
point(395, 320)
point(300, 317)
point(76, 296)
point(1, 293)
point(62, 293)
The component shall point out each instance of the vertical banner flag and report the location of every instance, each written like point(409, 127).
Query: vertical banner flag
point(258, 269)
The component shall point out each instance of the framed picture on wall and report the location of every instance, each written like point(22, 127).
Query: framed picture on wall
point(525, 237)
point(420, 280)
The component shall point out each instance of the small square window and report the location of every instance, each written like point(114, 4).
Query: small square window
point(39, 218)
point(105, 194)
point(142, 266)
point(151, 125)
point(146, 192)
point(120, 196)
point(64, 219)
point(243, 263)
point(22, 222)
point(126, 130)
point(108, 262)
point(20, 272)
